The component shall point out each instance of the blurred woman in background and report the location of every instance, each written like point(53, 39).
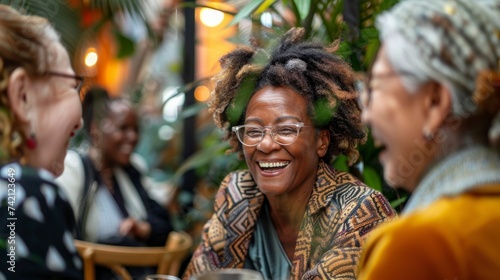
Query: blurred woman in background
point(105, 186)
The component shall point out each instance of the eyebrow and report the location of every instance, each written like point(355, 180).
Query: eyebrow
point(278, 120)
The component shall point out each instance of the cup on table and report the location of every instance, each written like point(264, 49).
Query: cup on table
point(162, 277)
point(229, 274)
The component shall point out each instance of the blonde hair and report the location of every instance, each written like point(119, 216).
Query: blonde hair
point(23, 43)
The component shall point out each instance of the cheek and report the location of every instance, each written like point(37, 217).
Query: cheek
point(247, 153)
point(110, 140)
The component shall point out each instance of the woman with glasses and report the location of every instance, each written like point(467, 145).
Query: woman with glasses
point(433, 103)
point(290, 215)
point(40, 111)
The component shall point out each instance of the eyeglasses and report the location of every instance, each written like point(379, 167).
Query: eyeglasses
point(79, 79)
point(364, 89)
point(284, 134)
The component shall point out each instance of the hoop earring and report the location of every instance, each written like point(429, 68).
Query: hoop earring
point(31, 142)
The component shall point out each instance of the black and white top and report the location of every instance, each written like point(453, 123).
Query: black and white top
point(37, 221)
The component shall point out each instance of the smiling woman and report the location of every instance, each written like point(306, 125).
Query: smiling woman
point(290, 215)
point(39, 113)
point(437, 118)
point(106, 186)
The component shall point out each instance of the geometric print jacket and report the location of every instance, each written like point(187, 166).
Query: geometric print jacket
point(341, 212)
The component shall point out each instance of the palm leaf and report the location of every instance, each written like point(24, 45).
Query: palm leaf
point(246, 11)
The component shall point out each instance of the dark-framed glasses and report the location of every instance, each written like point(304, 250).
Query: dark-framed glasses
point(285, 134)
point(78, 79)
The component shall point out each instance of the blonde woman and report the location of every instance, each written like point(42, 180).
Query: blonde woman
point(40, 111)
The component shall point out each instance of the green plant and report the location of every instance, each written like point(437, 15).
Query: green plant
point(79, 21)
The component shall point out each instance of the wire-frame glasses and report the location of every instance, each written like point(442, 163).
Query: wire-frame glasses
point(285, 134)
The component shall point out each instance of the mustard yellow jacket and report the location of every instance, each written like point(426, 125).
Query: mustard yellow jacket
point(455, 238)
point(340, 213)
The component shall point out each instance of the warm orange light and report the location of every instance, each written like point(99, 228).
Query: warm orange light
point(91, 57)
point(201, 93)
point(210, 17)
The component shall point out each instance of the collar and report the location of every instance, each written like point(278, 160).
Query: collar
point(322, 192)
point(458, 173)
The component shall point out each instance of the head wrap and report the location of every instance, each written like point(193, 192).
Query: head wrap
point(447, 41)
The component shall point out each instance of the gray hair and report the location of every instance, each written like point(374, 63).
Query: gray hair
point(446, 41)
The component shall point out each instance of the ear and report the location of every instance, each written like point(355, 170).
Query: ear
point(17, 93)
point(438, 103)
point(322, 142)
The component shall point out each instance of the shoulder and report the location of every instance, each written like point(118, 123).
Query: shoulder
point(440, 237)
point(32, 188)
point(463, 215)
point(348, 187)
point(443, 224)
point(138, 162)
point(40, 212)
point(424, 236)
point(29, 179)
point(343, 196)
point(237, 187)
point(241, 181)
point(342, 189)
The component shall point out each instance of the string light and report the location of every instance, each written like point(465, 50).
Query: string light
point(91, 57)
point(210, 17)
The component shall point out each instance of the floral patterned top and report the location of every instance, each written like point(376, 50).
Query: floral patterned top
point(36, 240)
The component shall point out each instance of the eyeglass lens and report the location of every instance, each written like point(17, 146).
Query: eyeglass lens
point(284, 134)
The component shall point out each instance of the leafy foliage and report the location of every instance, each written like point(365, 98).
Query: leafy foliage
point(78, 21)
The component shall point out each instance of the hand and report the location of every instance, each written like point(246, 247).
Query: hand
point(138, 229)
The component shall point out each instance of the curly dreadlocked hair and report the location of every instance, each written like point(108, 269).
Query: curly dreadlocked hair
point(325, 80)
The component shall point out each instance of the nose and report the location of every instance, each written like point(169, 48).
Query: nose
point(267, 144)
point(132, 136)
point(76, 114)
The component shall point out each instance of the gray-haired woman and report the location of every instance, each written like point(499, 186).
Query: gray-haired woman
point(433, 103)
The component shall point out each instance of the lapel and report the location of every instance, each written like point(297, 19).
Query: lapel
point(240, 209)
point(240, 206)
point(320, 198)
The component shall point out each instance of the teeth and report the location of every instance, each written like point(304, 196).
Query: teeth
point(272, 164)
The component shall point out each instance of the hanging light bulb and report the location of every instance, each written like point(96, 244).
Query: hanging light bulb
point(210, 17)
point(91, 57)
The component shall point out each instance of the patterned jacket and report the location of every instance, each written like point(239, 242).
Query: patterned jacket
point(340, 213)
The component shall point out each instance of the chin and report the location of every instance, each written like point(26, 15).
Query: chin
point(397, 181)
point(392, 177)
point(57, 169)
point(123, 162)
